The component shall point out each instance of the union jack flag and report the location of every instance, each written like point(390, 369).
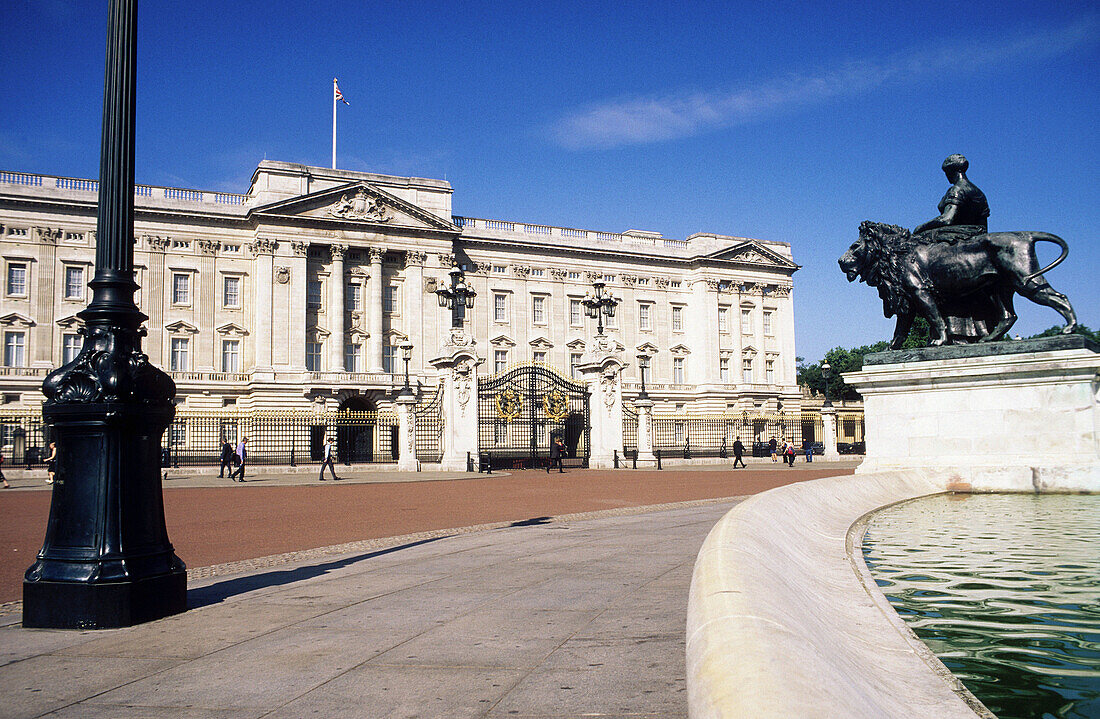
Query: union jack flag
point(339, 95)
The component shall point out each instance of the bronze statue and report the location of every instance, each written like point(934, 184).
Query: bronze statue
point(952, 271)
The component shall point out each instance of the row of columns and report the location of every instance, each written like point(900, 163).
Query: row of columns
point(373, 301)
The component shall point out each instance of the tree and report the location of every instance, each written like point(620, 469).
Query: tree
point(1056, 330)
point(851, 360)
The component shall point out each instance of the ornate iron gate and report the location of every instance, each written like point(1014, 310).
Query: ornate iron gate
point(521, 408)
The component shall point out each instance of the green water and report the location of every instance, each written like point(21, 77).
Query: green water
point(1005, 590)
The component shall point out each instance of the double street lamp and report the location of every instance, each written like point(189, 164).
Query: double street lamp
point(458, 298)
point(598, 305)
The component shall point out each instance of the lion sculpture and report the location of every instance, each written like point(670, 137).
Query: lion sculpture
point(963, 289)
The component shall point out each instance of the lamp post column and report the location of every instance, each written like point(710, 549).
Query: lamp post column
point(106, 560)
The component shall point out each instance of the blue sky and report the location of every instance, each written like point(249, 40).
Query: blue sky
point(784, 121)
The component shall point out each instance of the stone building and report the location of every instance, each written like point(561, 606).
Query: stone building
point(298, 293)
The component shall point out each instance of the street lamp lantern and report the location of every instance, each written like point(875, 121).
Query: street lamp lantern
point(406, 354)
point(643, 365)
point(598, 305)
point(458, 297)
point(826, 372)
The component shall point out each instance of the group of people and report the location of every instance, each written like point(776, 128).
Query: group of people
point(234, 459)
point(776, 448)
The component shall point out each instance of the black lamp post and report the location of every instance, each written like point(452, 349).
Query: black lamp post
point(598, 305)
point(459, 297)
point(826, 372)
point(406, 354)
point(643, 365)
point(106, 560)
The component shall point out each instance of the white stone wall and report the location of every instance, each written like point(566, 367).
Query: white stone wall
point(299, 224)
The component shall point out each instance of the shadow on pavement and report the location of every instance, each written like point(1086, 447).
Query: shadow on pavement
point(220, 591)
point(533, 521)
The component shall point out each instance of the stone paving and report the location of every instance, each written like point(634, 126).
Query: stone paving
point(579, 615)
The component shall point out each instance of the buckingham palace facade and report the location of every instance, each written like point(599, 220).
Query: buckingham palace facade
point(298, 293)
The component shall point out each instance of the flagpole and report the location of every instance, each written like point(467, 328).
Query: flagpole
point(334, 123)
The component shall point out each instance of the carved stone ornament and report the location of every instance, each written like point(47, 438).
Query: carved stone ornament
point(782, 291)
point(376, 254)
point(262, 246)
point(463, 380)
point(558, 274)
point(431, 284)
point(594, 276)
point(609, 380)
point(208, 247)
point(282, 275)
point(479, 268)
point(157, 243)
point(415, 257)
point(628, 280)
point(300, 248)
point(661, 282)
point(521, 270)
point(712, 284)
point(337, 251)
point(109, 368)
point(360, 206)
point(446, 259)
point(47, 235)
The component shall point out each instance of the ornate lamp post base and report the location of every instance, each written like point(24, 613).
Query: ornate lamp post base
point(106, 560)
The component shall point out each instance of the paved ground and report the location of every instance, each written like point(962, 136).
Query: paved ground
point(529, 612)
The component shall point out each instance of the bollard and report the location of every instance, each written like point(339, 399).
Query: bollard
point(616, 459)
point(469, 463)
point(657, 452)
point(488, 462)
point(292, 456)
point(634, 460)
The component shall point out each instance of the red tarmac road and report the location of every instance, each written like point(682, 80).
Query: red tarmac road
point(214, 525)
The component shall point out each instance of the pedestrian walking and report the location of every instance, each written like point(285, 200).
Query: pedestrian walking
point(241, 458)
point(773, 446)
point(51, 463)
point(738, 453)
point(788, 453)
point(557, 449)
point(2, 477)
point(329, 459)
point(226, 458)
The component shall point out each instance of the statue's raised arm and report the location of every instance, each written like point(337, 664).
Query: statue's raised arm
point(952, 271)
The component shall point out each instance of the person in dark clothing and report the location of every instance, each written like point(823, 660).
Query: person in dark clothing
point(330, 458)
point(557, 449)
point(773, 446)
point(788, 454)
point(241, 458)
point(808, 447)
point(226, 458)
point(738, 453)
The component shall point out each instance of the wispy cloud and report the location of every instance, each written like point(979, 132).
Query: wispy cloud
point(641, 120)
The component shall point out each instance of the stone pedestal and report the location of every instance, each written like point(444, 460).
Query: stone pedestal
point(828, 427)
point(646, 458)
point(602, 372)
point(457, 364)
point(406, 432)
point(1004, 416)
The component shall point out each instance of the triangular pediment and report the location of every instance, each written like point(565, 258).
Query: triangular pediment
point(232, 330)
point(182, 328)
point(393, 337)
point(356, 203)
point(680, 350)
point(15, 319)
point(647, 348)
point(541, 343)
point(71, 322)
point(317, 333)
point(577, 344)
point(751, 252)
point(502, 341)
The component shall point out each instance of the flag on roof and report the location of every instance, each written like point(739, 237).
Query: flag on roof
point(339, 95)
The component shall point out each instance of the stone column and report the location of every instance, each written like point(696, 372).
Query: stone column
point(263, 253)
point(646, 458)
point(457, 365)
point(406, 433)
point(602, 372)
point(374, 310)
point(828, 422)
point(206, 351)
point(47, 295)
point(297, 307)
point(336, 311)
point(413, 311)
point(154, 295)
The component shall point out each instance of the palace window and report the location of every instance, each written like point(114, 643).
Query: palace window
point(746, 321)
point(573, 275)
point(178, 361)
point(70, 347)
point(746, 371)
point(677, 370)
point(538, 310)
point(313, 356)
point(353, 298)
point(643, 316)
point(74, 283)
point(499, 269)
point(181, 288)
point(500, 360)
point(500, 433)
point(17, 279)
point(389, 358)
point(575, 313)
point(677, 318)
point(14, 348)
point(313, 295)
point(679, 432)
point(353, 357)
point(538, 273)
point(769, 371)
point(231, 291)
point(767, 323)
point(389, 299)
point(540, 356)
point(574, 364)
point(231, 355)
point(500, 307)
point(723, 319)
point(724, 369)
